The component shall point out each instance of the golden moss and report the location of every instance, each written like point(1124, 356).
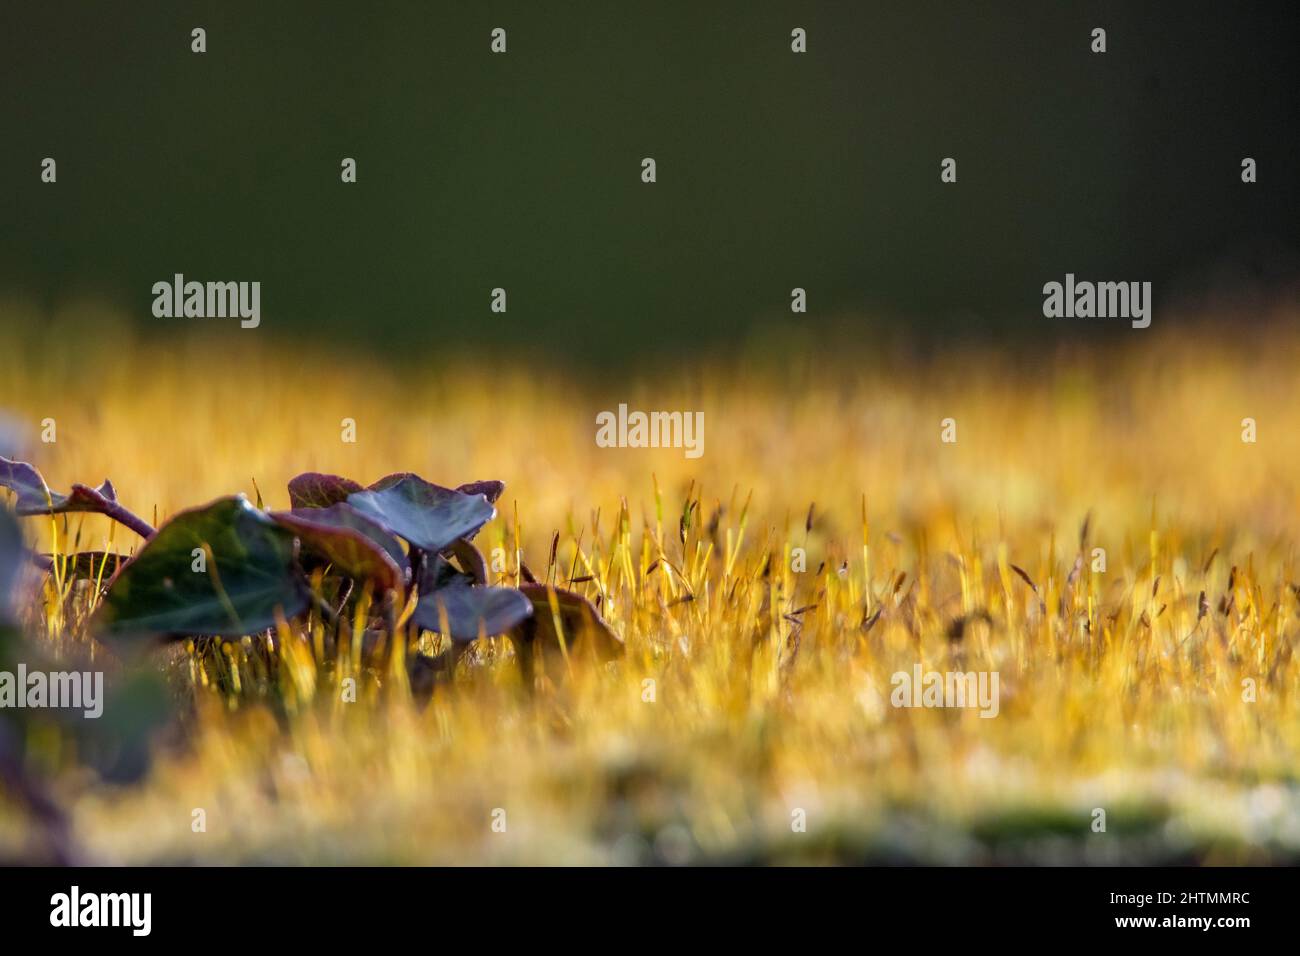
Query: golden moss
point(1120, 690)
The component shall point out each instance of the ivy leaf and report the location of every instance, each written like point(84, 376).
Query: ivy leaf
point(491, 490)
point(356, 545)
point(427, 515)
point(245, 576)
point(315, 490)
point(583, 626)
point(470, 559)
point(469, 610)
point(34, 496)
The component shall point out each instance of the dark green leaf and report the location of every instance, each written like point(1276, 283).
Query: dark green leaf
point(247, 575)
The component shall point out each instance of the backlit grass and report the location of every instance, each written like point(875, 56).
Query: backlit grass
point(1121, 689)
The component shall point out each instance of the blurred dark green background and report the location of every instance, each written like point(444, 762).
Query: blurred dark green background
point(523, 171)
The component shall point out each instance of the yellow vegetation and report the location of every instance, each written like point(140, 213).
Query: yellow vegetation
point(1120, 689)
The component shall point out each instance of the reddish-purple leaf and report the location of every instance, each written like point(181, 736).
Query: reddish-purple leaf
point(34, 496)
point(583, 626)
point(469, 611)
point(355, 544)
point(491, 490)
point(427, 515)
point(315, 490)
point(470, 558)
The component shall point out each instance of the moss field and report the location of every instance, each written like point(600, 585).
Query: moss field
point(831, 540)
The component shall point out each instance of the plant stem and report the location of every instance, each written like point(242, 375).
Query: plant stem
point(121, 515)
point(415, 556)
point(327, 612)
